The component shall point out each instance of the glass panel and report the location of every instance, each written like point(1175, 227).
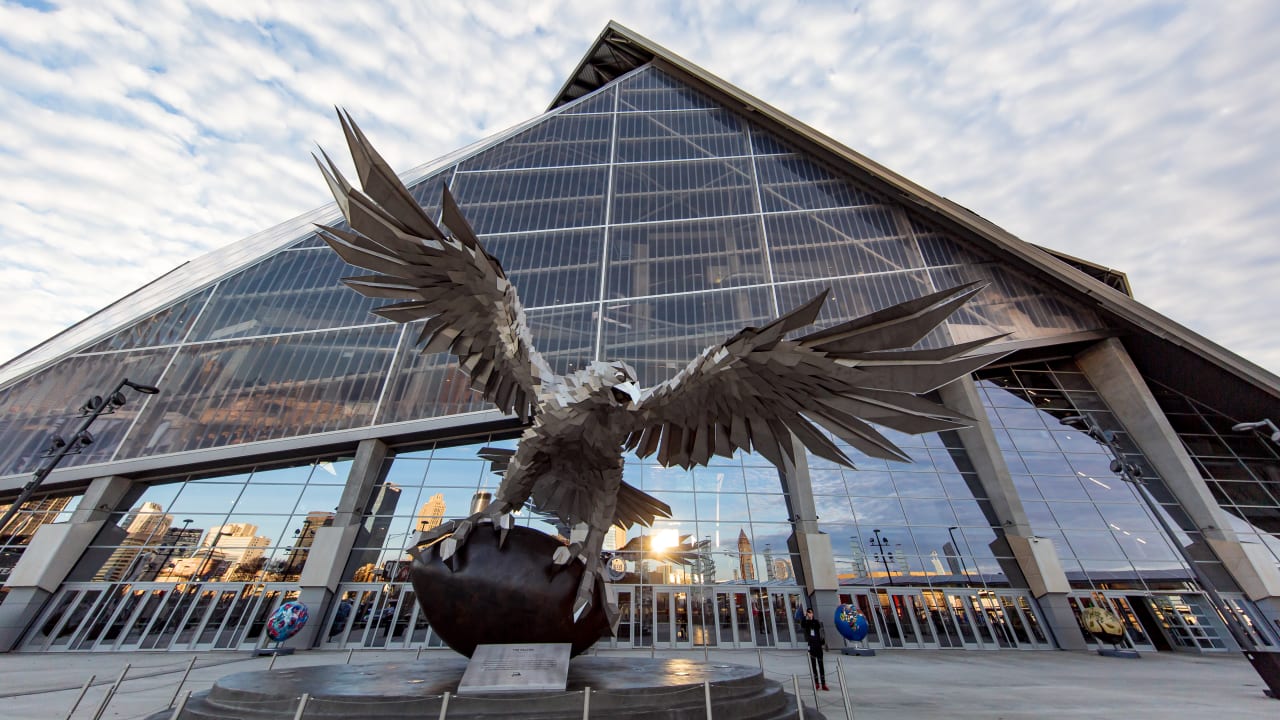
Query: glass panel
point(659, 259)
point(166, 327)
point(688, 135)
point(652, 89)
point(288, 292)
point(599, 101)
point(36, 408)
point(647, 192)
point(794, 182)
point(245, 391)
point(659, 337)
point(563, 140)
point(551, 268)
point(523, 200)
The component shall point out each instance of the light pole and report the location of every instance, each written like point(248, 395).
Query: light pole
point(168, 556)
point(1265, 661)
point(59, 448)
point(1257, 425)
point(956, 549)
point(880, 543)
point(206, 566)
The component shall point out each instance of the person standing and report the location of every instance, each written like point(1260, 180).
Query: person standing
point(817, 640)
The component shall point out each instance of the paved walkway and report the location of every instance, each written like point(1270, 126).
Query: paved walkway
point(894, 684)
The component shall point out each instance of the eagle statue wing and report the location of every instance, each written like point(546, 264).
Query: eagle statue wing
point(756, 389)
point(471, 308)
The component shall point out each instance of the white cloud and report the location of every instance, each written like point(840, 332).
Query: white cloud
point(137, 135)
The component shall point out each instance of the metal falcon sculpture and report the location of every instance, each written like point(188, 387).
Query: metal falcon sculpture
point(753, 392)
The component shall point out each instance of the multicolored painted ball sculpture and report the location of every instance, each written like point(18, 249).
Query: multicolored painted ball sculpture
point(851, 623)
point(287, 620)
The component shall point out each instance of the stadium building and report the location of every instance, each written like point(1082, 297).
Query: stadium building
point(299, 444)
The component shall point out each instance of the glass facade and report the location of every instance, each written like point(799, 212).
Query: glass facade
point(1241, 469)
point(705, 222)
point(1104, 534)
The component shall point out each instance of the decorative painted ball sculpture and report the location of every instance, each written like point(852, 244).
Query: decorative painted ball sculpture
point(851, 623)
point(1103, 625)
point(286, 621)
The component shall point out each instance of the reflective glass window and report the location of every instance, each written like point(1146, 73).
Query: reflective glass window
point(35, 409)
point(689, 135)
point(558, 141)
point(648, 192)
point(252, 526)
point(557, 268)
point(1101, 528)
point(664, 258)
point(249, 390)
point(287, 292)
point(795, 182)
point(652, 89)
point(524, 200)
point(660, 336)
point(16, 534)
point(166, 327)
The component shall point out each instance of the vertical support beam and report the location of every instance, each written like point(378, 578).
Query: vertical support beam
point(331, 546)
point(52, 553)
point(1112, 373)
point(1035, 556)
point(811, 547)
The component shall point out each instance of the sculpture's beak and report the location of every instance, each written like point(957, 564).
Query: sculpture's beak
point(626, 393)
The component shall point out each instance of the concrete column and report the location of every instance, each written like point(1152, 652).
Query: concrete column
point(53, 551)
point(1036, 558)
point(1112, 373)
point(812, 548)
point(331, 546)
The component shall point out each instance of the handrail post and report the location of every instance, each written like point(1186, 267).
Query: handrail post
point(83, 689)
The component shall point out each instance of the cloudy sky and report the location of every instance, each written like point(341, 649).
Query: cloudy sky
point(135, 136)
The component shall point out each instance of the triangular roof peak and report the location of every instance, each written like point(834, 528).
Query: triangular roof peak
point(619, 49)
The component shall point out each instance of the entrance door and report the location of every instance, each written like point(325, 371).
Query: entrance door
point(1118, 604)
point(760, 620)
point(702, 616)
point(1188, 622)
point(906, 622)
point(950, 618)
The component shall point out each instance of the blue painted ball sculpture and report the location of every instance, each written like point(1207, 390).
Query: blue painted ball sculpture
point(286, 621)
point(851, 623)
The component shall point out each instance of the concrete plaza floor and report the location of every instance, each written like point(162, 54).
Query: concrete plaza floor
point(894, 684)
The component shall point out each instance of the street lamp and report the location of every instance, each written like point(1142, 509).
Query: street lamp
point(80, 439)
point(1265, 661)
point(1257, 425)
point(880, 543)
point(956, 549)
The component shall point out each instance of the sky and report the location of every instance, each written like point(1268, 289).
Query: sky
point(1143, 136)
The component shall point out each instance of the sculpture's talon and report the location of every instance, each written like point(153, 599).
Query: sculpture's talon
point(561, 557)
point(583, 602)
point(611, 614)
point(449, 551)
point(463, 530)
point(502, 527)
point(565, 554)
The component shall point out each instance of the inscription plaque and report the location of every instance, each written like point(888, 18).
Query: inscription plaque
point(517, 668)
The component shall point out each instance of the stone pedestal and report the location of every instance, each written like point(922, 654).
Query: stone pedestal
point(621, 687)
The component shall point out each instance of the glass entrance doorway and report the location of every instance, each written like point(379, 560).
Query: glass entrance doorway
point(919, 618)
point(691, 616)
point(157, 616)
point(1166, 621)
